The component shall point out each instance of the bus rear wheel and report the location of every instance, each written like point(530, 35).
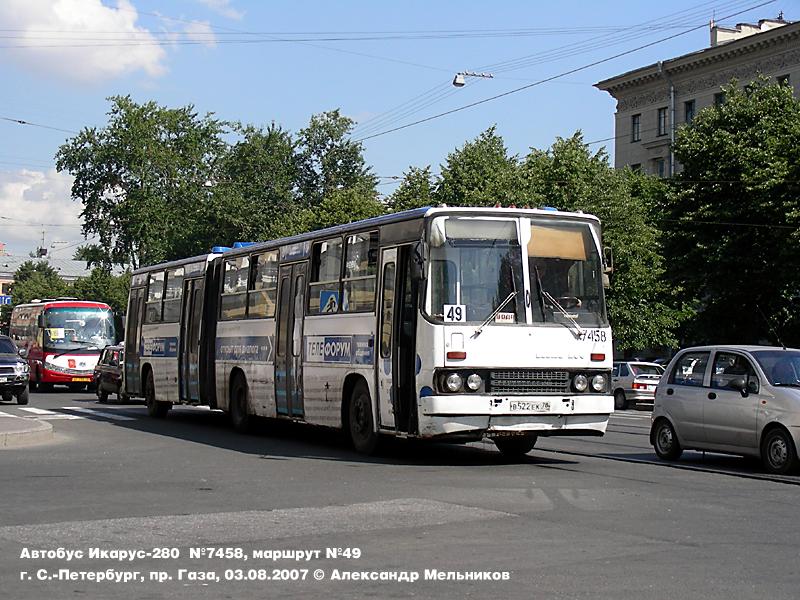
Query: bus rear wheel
point(155, 409)
point(360, 424)
point(516, 446)
point(239, 405)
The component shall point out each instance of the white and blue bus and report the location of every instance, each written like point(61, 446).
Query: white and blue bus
point(447, 323)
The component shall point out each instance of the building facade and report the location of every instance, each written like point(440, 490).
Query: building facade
point(68, 270)
point(653, 101)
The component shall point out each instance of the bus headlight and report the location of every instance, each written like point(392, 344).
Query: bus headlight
point(454, 382)
point(599, 383)
point(580, 383)
point(474, 382)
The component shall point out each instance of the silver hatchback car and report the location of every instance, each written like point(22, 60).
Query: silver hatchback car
point(634, 383)
point(731, 399)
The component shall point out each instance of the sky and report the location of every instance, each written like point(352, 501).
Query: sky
point(385, 64)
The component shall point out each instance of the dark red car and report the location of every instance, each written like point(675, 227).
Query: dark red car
point(108, 373)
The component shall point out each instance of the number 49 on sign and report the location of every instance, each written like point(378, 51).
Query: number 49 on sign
point(455, 313)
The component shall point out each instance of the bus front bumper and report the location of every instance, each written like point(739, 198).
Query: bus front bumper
point(492, 416)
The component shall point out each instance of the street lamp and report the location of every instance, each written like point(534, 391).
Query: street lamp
point(459, 80)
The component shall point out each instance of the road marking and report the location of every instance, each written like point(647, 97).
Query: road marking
point(5, 414)
point(97, 413)
point(37, 411)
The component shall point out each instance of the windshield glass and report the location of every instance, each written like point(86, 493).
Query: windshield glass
point(7, 346)
point(475, 266)
point(782, 367)
point(565, 273)
point(646, 370)
point(73, 328)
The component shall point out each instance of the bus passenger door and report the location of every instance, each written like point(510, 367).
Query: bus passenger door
point(386, 335)
point(133, 336)
point(289, 346)
point(189, 356)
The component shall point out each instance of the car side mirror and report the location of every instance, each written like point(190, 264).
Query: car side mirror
point(752, 385)
point(739, 384)
point(23, 352)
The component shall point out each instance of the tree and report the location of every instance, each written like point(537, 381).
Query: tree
point(480, 173)
point(102, 286)
point(416, 190)
point(93, 254)
point(37, 279)
point(329, 160)
point(142, 179)
point(733, 220)
point(641, 305)
point(343, 206)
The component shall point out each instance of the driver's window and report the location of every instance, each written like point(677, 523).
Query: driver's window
point(729, 367)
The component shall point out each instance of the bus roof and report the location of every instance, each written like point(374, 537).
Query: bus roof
point(406, 215)
point(63, 304)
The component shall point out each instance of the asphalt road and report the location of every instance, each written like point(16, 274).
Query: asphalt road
point(579, 518)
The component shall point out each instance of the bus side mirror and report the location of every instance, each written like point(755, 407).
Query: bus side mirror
point(40, 321)
point(416, 264)
point(608, 260)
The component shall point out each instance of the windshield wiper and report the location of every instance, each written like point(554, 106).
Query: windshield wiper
point(496, 311)
point(73, 350)
point(563, 311)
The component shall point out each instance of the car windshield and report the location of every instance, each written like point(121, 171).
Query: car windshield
point(782, 367)
point(7, 346)
point(74, 328)
point(647, 369)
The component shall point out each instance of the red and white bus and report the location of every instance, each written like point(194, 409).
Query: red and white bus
point(62, 339)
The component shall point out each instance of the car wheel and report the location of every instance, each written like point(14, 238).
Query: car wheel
point(778, 452)
point(360, 425)
point(7, 396)
point(240, 405)
point(515, 447)
point(620, 403)
point(22, 397)
point(155, 408)
point(665, 441)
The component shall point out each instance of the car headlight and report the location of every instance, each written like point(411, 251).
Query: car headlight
point(474, 382)
point(21, 368)
point(453, 382)
point(580, 383)
point(599, 383)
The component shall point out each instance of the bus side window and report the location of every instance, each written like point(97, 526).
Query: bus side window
point(155, 294)
point(172, 295)
point(323, 291)
point(263, 285)
point(387, 314)
point(360, 270)
point(236, 273)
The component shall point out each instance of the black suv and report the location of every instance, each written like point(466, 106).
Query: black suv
point(14, 372)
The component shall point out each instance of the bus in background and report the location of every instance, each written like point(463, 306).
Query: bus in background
point(62, 339)
point(442, 323)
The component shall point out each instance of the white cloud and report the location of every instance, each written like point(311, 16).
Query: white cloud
point(30, 198)
point(224, 8)
point(80, 39)
point(200, 31)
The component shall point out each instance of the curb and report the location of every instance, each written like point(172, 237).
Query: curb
point(17, 431)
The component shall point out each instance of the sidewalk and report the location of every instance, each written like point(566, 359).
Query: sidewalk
point(18, 431)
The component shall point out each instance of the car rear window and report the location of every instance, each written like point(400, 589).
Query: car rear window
point(646, 369)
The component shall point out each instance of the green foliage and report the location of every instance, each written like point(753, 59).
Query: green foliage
point(480, 173)
point(641, 306)
point(93, 254)
point(102, 286)
point(733, 219)
point(33, 279)
point(415, 191)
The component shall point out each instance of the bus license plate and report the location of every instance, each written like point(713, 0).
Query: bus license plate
point(529, 406)
point(81, 379)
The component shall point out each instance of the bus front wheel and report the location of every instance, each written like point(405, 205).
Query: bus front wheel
point(362, 432)
point(155, 408)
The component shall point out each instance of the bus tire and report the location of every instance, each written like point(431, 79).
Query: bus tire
point(515, 447)
point(22, 397)
point(359, 421)
point(239, 404)
point(156, 409)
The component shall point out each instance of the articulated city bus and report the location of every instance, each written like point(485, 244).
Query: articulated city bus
point(445, 323)
point(62, 339)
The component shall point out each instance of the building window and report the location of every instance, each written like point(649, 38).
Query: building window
point(636, 167)
point(636, 121)
point(662, 121)
point(688, 111)
point(783, 80)
point(719, 98)
point(660, 167)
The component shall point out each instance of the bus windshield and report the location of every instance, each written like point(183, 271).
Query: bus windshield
point(476, 268)
point(74, 328)
point(478, 264)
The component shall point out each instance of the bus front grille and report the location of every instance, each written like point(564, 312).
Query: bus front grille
point(529, 381)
